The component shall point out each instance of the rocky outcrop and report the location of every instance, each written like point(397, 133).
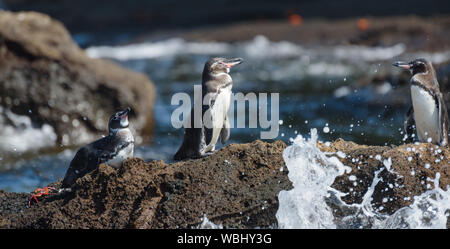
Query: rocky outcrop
point(237, 187)
point(46, 77)
point(406, 171)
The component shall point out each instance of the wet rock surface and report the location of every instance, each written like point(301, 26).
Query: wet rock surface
point(237, 187)
point(405, 171)
point(46, 77)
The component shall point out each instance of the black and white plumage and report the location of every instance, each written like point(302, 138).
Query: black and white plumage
point(428, 114)
point(216, 90)
point(112, 149)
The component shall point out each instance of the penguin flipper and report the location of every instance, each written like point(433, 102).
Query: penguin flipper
point(208, 132)
point(209, 113)
point(89, 157)
point(218, 109)
point(443, 121)
point(225, 132)
point(109, 152)
point(212, 134)
point(409, 124)
point(78, 167)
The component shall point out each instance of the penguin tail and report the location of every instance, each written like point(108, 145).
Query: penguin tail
point(180, 155)
point(185, 153)
point(190, 148)
point(76, 169)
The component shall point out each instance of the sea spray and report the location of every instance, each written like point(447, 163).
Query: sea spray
point(429, 210)
point(207, 224)
point(312, 173)
point(19, 134)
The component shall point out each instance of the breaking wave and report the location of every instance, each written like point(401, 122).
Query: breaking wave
point(312, 173)
point(18, 134)
point(170, 47)
point(258, 47)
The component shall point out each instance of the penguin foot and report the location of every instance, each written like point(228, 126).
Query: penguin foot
point(209, 153)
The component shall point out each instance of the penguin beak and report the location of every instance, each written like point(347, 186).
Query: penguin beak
point(233, 62)
point(124, 114)
point(403, 65)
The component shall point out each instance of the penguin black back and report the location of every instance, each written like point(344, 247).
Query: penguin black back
point(215, 78)
point(111, 148)
point(429, 113)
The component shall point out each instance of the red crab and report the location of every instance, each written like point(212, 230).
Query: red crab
point(40, 192)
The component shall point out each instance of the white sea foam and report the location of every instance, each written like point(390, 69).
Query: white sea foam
point(435, 58)
point(170, 47)
point(261, 47)
point(342, 91)
point(325, 68)
point(258, 47)
point(207, 224)
point(429, 210)
point(368, 53)
point(312, 173)
point(18, 133)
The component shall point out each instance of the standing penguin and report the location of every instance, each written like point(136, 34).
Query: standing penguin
point(216, 90)
point(428, 111)
point(112, 150)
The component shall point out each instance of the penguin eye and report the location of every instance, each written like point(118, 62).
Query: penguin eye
point(420, 64)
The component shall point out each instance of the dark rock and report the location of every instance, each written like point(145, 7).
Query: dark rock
point(406, 177)
point(237, 187)
point(45, 76)
point(228, 187)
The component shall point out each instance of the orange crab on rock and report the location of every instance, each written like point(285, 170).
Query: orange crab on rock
point(40, 192)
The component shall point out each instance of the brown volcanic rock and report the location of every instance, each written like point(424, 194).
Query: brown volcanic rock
point(237, 187)
point(415, 32)
point(44, 75)
point(406, 177)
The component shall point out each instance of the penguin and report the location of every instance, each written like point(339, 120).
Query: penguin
point(216, 92)
point(428, 112)
point(112, 150)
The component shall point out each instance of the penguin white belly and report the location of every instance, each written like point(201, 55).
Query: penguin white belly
point(218, 114)
point(127, 152)
point(426, 115)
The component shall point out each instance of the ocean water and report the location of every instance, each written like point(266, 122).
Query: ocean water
point(315, 85)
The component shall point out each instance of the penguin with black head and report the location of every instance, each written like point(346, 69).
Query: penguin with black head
point(112, 149)
point(216, 90)
point(428, 112)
